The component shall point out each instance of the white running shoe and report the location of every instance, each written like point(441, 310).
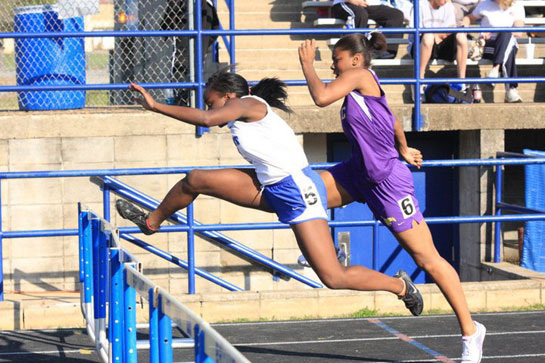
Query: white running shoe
point(472, 346)
point(512, 95)
point(422, 92)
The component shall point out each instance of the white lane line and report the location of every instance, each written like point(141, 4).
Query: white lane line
point(389, 337)
point(46, 352)
point(457, 359)
point(325, 320)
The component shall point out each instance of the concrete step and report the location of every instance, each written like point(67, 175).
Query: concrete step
point(401, 94)
point(242, 6)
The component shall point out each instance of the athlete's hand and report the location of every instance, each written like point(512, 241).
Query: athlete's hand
point(412, 156)
point(307, 52)
point(146, 100)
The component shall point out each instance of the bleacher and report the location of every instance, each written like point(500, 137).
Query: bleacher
point(324, 18)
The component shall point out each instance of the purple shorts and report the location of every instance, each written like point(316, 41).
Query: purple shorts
point(392, 200)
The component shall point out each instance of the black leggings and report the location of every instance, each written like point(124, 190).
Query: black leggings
point(383, 15)
point(502, 50)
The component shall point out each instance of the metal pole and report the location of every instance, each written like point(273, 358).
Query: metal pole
point(116, 304)
point(153, 328)
point(1, 254)
point(130, 321)
point(198, 348)
point(87, 241)
point(165, 333)
point(106, 201)
point(191, 22)
point(190, 250)
point(497, 229)
point(417, 122)
point(232, 54)
point(375, 243)
point(199, 61)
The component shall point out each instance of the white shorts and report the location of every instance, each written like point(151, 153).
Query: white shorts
point(298, 198)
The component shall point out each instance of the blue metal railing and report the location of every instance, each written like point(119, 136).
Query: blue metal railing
point(191, 226)
point(198, 34)
point(530, 215)
point(501, 206)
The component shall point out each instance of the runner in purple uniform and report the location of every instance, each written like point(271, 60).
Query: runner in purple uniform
point(374, 174)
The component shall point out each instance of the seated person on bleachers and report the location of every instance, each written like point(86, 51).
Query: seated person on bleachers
point(501, 48)
point(446, 46)
point(361, 11)
point(463, 8)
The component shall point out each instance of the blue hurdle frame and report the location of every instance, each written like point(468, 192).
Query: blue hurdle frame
point(111, 280)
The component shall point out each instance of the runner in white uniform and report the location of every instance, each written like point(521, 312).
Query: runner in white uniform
point(281, 182)
point(291, 188)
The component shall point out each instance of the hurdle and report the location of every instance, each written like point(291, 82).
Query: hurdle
point(111, 279)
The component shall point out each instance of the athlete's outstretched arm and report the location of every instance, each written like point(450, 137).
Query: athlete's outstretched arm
point(325, 94)
point(234, 109)
point(411, 155)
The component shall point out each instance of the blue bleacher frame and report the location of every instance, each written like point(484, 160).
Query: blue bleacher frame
point(198, 34)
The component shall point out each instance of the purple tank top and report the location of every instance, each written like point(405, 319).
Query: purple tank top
point(368, 123)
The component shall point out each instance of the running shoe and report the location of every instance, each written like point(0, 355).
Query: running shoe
point(472, 346)
point(134, 214)
point(512, 95)
point(412, 298)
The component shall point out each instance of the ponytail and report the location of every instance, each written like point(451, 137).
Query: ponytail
point(362, 43)
point(273, 91)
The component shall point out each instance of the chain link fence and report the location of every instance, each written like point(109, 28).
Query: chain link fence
point(91, 60)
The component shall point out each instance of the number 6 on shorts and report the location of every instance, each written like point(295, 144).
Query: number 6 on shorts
point(407, 206)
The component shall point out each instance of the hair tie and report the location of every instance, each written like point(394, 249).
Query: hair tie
point(370, 34)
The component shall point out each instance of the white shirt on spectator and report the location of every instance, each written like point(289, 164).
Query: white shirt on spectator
point(492, 15)
point(435, 18)
point(465, 2)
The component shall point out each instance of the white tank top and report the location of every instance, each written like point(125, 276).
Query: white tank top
point(270, 145)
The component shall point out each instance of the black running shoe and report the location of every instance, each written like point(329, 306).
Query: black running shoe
point(412, 298)
point(134, 214)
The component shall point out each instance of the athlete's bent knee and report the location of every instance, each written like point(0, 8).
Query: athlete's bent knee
point(333, 280)
point(194, 182)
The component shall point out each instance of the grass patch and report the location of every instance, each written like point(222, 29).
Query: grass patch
point(97, 98)
point(371, 313)
point(526, 308)
point(97, 60)
point(8, 62)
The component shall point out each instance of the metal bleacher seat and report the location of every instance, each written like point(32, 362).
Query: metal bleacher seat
point(323, 11)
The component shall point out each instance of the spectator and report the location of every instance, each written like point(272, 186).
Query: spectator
point(361, 11)
point(463, 8)
point(174, 19)
point(501, 48)
point(447, 46)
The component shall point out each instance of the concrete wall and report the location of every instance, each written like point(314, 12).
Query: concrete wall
point(476, 238)
point(121, 139)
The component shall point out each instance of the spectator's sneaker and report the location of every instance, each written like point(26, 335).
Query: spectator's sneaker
point(412, 298)
point(135, 215)
point(512, 95)
point(422, 92)
point(494, 73)
point(472, 346)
